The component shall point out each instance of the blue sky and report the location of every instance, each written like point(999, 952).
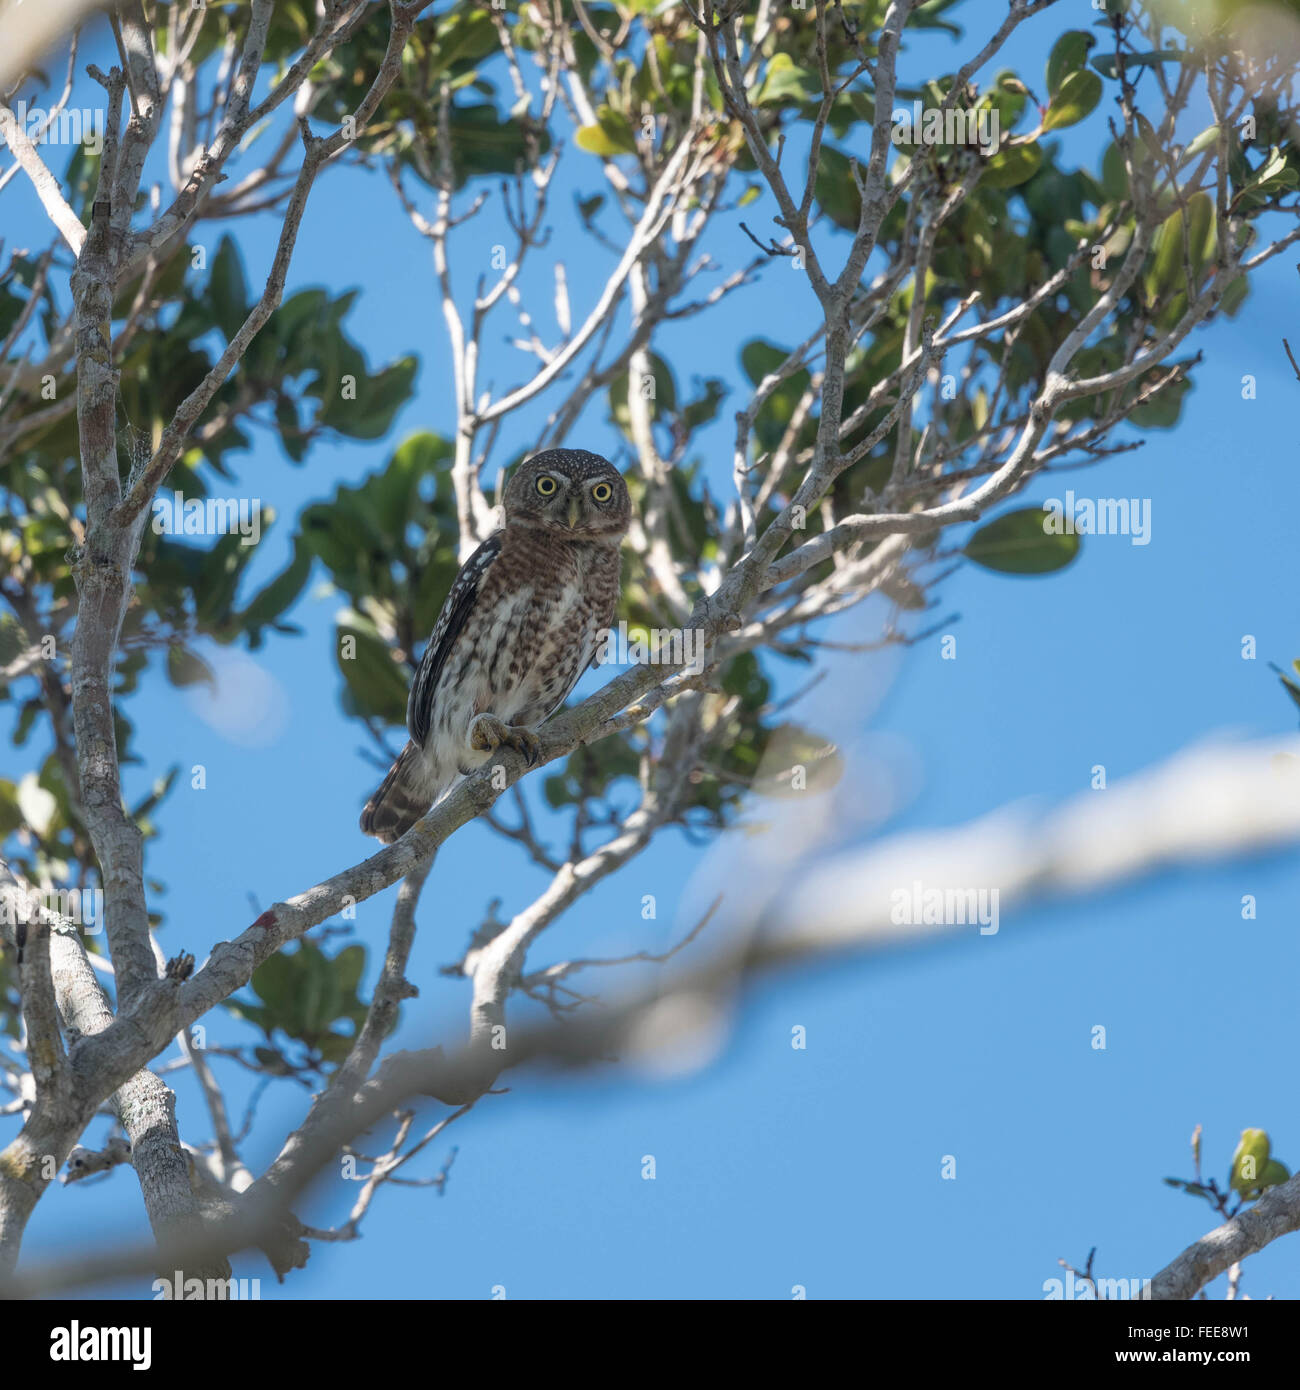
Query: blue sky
point(775, 1167)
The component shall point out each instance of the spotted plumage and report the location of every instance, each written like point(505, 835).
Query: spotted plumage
point(522, 622)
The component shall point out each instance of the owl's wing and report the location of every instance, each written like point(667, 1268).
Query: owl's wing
point(451, 623)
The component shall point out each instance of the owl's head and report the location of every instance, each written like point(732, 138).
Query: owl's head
point(579, 496)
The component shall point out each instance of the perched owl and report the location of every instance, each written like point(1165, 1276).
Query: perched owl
point(520, 625)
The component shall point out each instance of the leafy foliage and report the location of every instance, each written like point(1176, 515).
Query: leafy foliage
point(309, 999)
point(387, 543)
point(1251, 1172)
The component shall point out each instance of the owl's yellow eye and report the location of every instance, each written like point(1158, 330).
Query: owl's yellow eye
point(546, 486)
point(602, 492)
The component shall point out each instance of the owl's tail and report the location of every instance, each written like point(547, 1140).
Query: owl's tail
point(403, 796)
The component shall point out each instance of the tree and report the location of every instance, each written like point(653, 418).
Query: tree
point(978, 311)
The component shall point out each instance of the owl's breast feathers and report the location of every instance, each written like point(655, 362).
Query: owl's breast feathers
point(520, 625)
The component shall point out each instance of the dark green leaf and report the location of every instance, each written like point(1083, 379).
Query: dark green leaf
point(1013, 166)
point(1069, 54)
point(1077, 98)
point(185, 668)
point(1018, 543)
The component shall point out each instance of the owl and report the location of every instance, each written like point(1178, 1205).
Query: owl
point(522, 622)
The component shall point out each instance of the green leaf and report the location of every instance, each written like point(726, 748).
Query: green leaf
point(319, 995)
point(304, 993)
point(758, 358)
point(334, 1047)
point(272, 1059)
point(349, 965)
point(1114, 176)
point(744, 677)
point(1108, 66)
point(1273, 1174)
point(464, 37)
point(837, 194)
point(1077, 99)
point(483, 143)
point(1008, 97)
point(1013, 166)
point(290, 427)
point(1193, 1189)
point(11, 816)
point(786, 83)
point(273, 982)
point(611, 135)
point(394, 491)
point(1208, 138)
point(347, 539)
point(664, 399)
point(1147, 151)
point(1018, 543)
point(1234, 296)
point(704, 407)
point(1168, 271)
point(257, 1014)
point(1272, 177)
point(13, 640)
point(82, 177)
point(1249, 1160)
point(219, 576)
point(161, 787)
point(1270, 169)
point(377, 683)
point(590, 770)
point(797, 762)
point(271, 601)
point(379, 396)
point(1292, 689)
point(185, 668)
point(1069, 54)
point(1162, 411)
point(1202, 233)
point(227, 293)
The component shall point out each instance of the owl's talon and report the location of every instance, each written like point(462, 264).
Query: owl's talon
point(487, 733)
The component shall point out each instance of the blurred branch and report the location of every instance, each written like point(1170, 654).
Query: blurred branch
point(31, 30)
point(1203, 805)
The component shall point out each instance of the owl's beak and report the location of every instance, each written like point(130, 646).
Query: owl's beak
point(575, 508)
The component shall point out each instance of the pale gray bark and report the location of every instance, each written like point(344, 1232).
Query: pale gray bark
point(144, 1104)
point(102, 570)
